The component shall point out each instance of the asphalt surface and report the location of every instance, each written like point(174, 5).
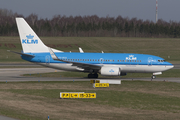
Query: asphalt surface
point(14, 75)
point(6, 118)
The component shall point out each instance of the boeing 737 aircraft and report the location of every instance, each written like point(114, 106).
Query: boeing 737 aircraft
point(107, 64)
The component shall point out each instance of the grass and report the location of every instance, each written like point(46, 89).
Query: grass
point(169, 73)
point(131, 100)
point(162, 47)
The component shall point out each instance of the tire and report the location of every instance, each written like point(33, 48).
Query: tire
point(96, 75)
point(153, 77)
point(93, 75)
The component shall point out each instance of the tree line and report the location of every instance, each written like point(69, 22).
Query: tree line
point(89, 26)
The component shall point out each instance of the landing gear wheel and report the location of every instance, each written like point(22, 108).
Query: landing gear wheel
point(153, 77)
point(90, 75)
point(93, 75)
point(96, 75)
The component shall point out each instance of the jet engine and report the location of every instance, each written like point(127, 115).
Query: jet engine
point(110, 71)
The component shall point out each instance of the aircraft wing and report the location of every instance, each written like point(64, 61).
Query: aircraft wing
point(78, 64)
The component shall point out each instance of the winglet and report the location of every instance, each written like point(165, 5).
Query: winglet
point(80, 50)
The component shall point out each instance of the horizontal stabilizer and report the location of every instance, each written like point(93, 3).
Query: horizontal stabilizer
point(21, 53)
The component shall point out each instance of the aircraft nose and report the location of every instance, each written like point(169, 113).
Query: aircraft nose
point(170, 66)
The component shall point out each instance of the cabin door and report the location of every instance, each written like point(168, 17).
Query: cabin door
point(150, 61)
point(47, 59)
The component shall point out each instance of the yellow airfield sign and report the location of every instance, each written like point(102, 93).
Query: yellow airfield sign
point(101, 84)
point(77, 95)
point(73, 95)
point(64, 95)
point(87, 95)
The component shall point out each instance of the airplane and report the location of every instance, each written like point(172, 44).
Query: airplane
point(106, 64)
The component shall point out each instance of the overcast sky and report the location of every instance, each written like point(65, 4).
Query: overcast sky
point(141, 9)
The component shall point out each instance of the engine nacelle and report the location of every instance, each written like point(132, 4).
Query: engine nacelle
point(110, 71)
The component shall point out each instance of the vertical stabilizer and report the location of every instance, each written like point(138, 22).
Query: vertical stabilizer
point(30, 42)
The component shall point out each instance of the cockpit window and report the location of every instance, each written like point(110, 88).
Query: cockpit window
point(161, 61)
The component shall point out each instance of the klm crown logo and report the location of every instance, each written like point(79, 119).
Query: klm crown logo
point(30, 36)
point(29, 40)
point(111, 71)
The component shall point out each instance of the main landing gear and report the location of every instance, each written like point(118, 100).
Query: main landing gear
point(93, 75)
point(153, 77)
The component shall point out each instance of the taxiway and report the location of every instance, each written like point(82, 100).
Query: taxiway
point(14, 75)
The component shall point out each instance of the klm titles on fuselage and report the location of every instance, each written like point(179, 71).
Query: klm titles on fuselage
point(29, 40)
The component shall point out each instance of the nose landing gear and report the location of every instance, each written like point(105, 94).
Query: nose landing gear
point(153, 77)
point(156, 73)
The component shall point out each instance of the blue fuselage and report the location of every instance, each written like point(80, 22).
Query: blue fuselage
point(100, 58)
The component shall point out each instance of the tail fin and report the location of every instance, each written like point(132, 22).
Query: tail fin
point(30, 42)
